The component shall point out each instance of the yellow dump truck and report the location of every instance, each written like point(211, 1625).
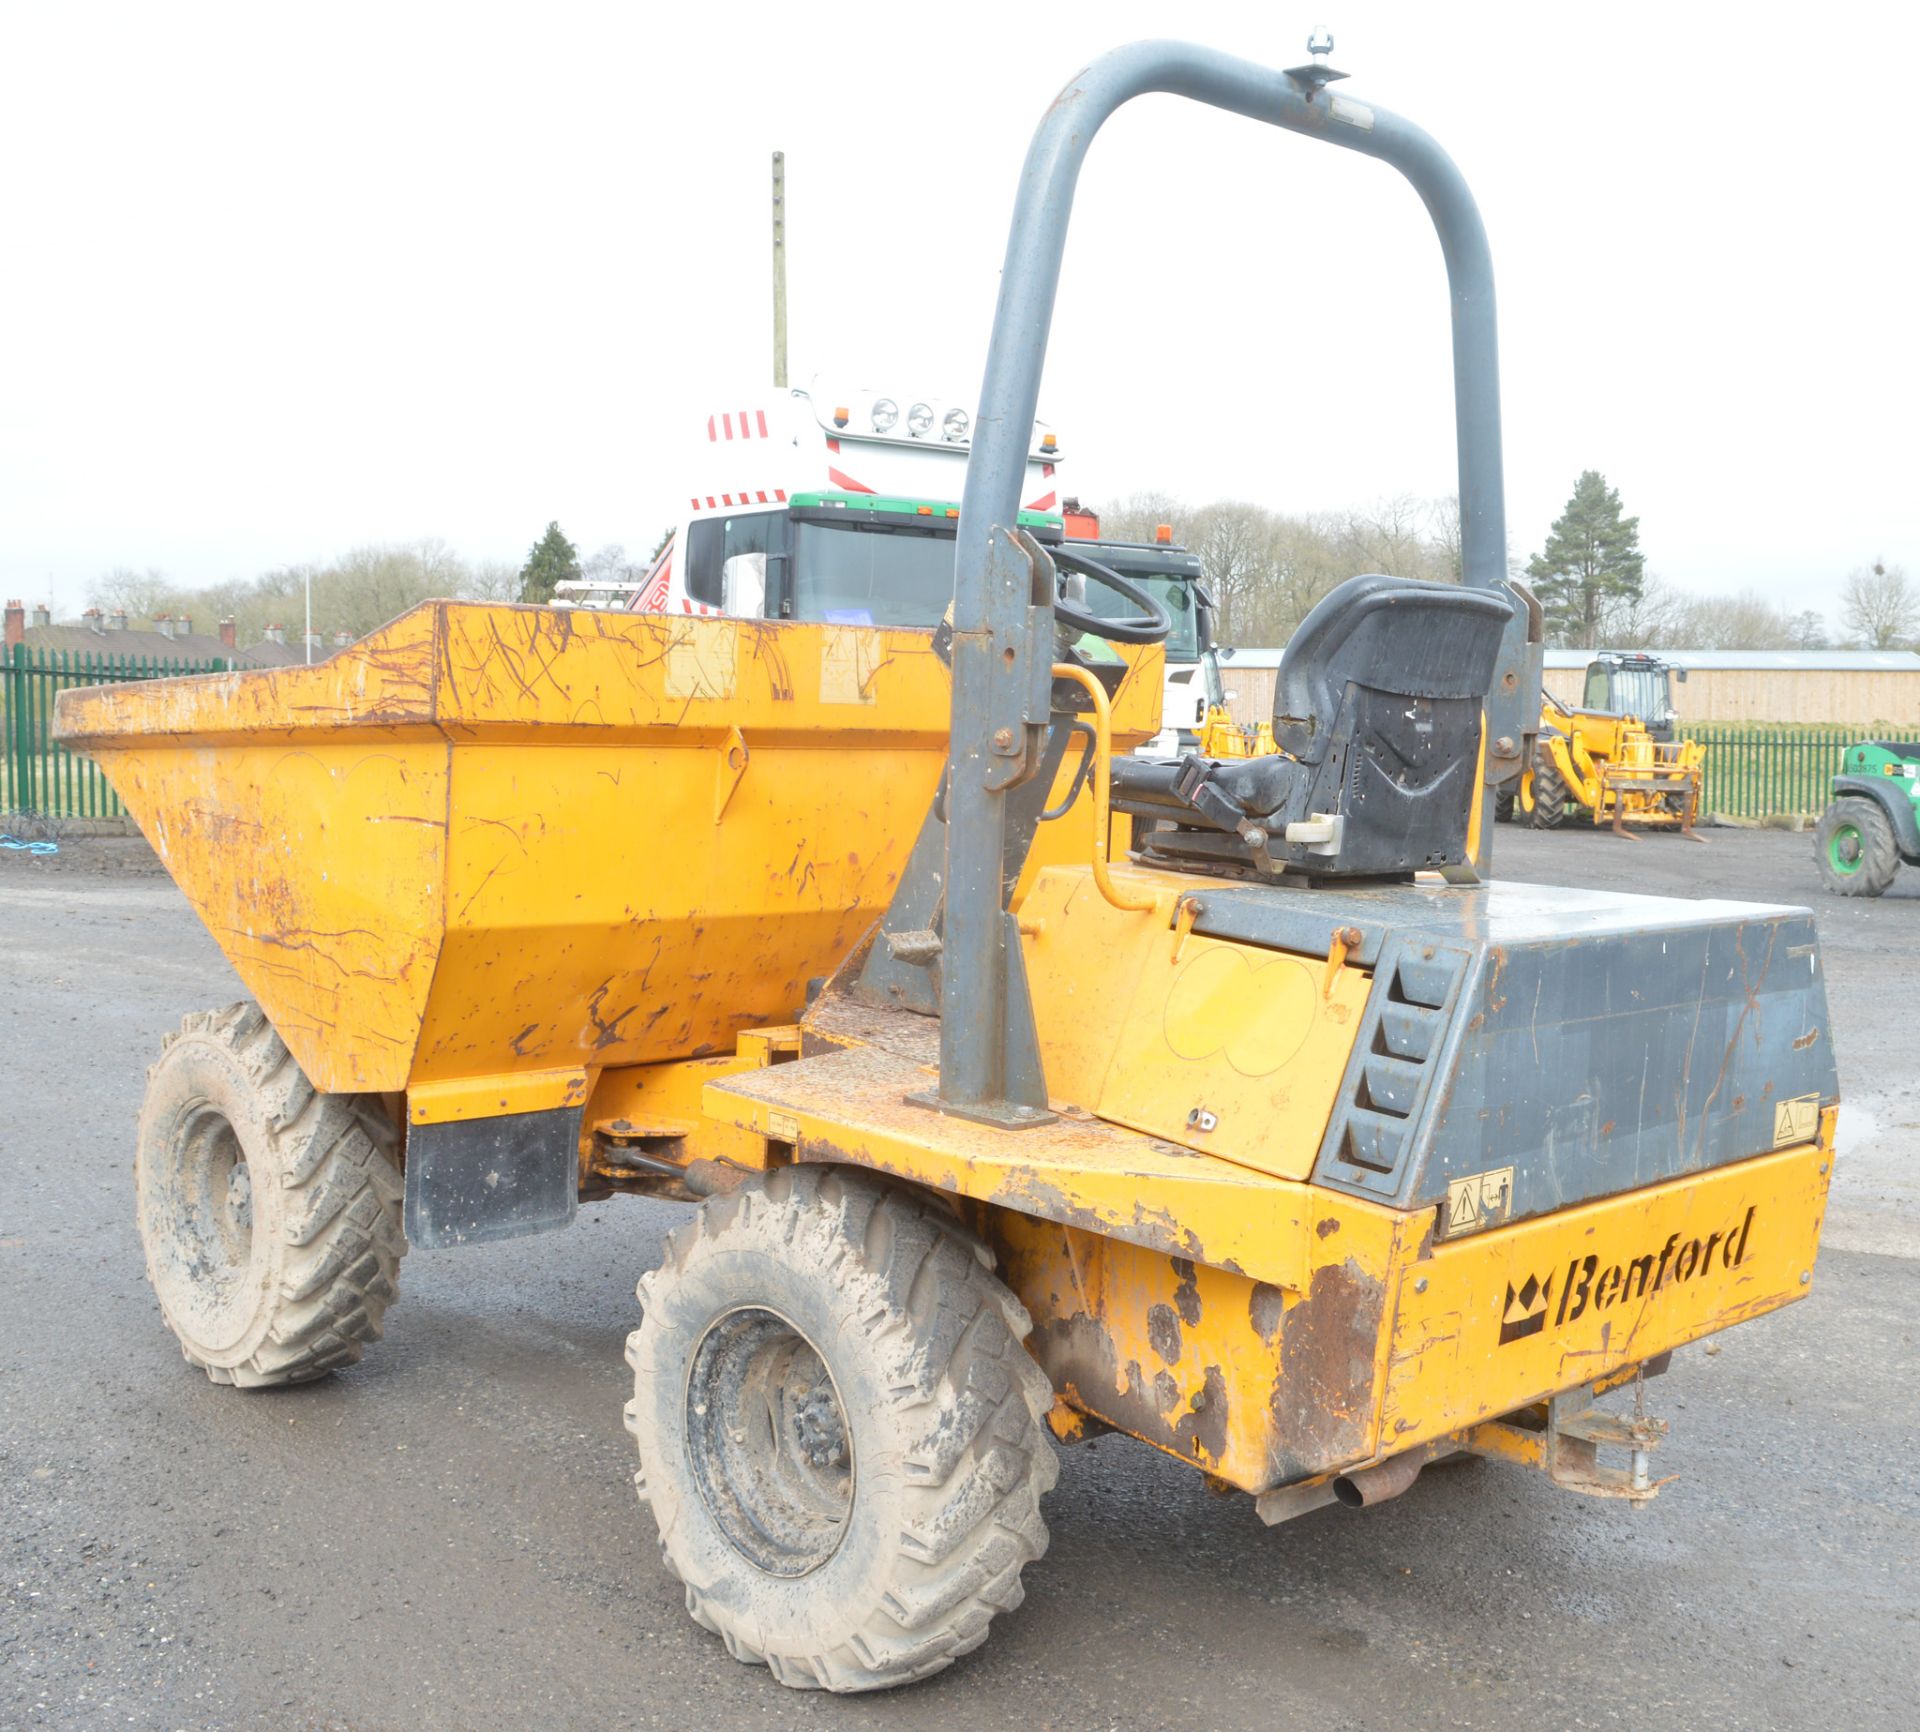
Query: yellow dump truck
point(1292, 1143)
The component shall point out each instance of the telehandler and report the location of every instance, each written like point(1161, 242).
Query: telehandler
point(1618, 755)
point(1291, 1145)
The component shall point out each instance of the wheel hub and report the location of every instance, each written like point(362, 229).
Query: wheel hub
point(768, 1441)
point(214, 1221)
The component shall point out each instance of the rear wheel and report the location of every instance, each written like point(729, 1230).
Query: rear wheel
point(1549, 791)
point(270, 1213)
point(840, 1434)
point(1503, 806)
point(1855, 848)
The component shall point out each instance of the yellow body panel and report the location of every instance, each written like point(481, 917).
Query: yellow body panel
point(853, 1107)
point(1270, 1330)
point(1256, 1381)
point(488, 842)
point(485, 1097)
point(1615, 1282)
point(319, 868)
point(1223, 1047)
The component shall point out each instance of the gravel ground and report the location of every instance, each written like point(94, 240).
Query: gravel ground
point(445, 1537)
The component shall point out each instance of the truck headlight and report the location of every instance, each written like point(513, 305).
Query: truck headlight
point(953, 427)
point(885, 412)
point(920, 420)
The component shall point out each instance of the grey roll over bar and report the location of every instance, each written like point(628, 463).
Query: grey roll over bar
point(1003, 640)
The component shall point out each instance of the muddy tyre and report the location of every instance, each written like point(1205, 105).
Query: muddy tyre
point(841, 1437)
point(1503, 805)
point(1549, 792)
point(270, 1213)
point(1855, 848)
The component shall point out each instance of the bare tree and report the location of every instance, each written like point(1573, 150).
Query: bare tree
point(1136, 517)
point(1443, 523)
point(1879, 605)
point(1809, 630)
point(371, 585)
point(1657, 618)
point(1230, 537)
point(611, 565)
point(491, 580)
point(1735, 622)
point(141, 595)
point(1395, 535)
point(1267, 568)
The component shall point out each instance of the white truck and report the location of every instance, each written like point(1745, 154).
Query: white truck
point(842, 506)
point(832, 506)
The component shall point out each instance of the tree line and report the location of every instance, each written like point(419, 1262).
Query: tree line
point(1267, 568)
point(356, 592)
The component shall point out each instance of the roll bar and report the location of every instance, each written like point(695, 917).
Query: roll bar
point(1003, 640)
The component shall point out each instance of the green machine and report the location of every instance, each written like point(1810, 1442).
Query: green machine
point(1874, 821)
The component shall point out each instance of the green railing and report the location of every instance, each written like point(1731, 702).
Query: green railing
point(37, 773)
point(1754, 769)
point(1760, 769)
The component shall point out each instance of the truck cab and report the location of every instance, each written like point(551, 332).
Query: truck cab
point(1173, 575)
point(837, 507)
point(1634, 685)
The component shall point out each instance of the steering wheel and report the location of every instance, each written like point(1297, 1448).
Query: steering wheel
point(1150, 625)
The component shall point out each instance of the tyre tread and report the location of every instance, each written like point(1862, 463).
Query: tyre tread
point(334, 1157)
point(969, 1398)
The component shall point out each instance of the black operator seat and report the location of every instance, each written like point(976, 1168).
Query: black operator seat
point(1377, 715)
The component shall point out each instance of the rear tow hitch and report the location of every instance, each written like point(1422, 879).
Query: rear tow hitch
point(1563, 1438)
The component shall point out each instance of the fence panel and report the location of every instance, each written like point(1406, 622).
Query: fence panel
point(37, 773)
point(1756, 770)
point(1753, 770)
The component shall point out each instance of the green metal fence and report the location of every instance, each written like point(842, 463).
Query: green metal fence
point(1754, 769)
point(1758, 769)
point(37, 773)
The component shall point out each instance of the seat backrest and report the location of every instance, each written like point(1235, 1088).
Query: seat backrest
point(1397, 636)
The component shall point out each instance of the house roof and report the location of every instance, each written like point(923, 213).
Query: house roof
point(157, 646)
point(1792, 661)
point(1786, 661)
point(278, 655)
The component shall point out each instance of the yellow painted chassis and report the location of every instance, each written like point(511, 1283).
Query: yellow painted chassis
point(1267, 1330)
point(500, 860)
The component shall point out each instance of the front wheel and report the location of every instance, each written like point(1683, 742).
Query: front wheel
point(270, 1213)
point(1855, 848)
point(841, 1436)
point(1549, 791)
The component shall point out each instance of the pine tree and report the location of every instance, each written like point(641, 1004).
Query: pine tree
point(1592, 555)
point(553, 561)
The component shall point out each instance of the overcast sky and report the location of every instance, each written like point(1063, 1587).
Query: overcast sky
point(283, 280)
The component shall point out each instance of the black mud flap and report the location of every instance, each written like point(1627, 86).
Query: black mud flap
point(473, 1180)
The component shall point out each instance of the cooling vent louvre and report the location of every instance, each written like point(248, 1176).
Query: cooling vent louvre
point(1388, 1076)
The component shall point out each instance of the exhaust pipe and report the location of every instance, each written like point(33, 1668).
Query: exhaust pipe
point(1372, 1485)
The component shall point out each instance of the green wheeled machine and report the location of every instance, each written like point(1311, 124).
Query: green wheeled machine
point(1873, 822)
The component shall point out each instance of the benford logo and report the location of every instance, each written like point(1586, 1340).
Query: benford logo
point(1587, 1285)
